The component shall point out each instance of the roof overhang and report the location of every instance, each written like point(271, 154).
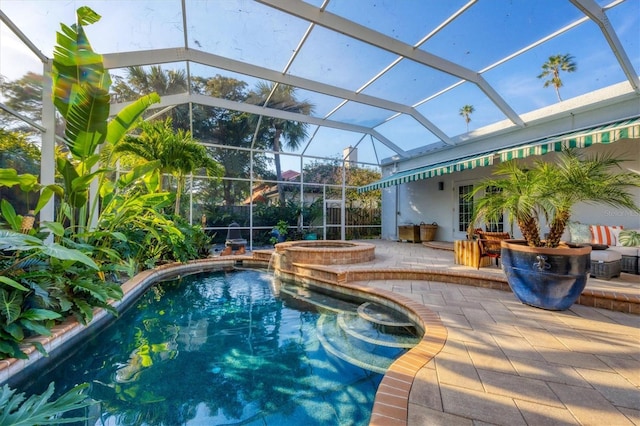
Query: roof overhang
point(605, 134)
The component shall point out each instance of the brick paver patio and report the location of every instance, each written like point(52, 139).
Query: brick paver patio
point(507, 363)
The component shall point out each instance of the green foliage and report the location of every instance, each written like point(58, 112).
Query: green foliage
point(16, 152)
point(81, 95)
point(279, 232)
point(195, 244)
point(17, 410)
point(29, 186)
point(176, 151)
point(151, 238)
point(548, 192)
point(44, 282)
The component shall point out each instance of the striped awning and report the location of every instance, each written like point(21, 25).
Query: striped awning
point(610, 133)
point(429, 172)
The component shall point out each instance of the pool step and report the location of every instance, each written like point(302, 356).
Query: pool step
point(366, 335)
point(318, 299)
point(385, 318)
point(374, 357)
point(363, 329)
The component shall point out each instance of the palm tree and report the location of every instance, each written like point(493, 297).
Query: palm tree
point(553, 66)
point(281, 97)
point(139, 81)
point(550, 190)
point(516, 191)
point(177, 152)
point(590, 179)
point(466, 112)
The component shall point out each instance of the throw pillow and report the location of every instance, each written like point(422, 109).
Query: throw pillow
point(579, 232)
point(602, 234)
point(615, 231)
point(629, 238)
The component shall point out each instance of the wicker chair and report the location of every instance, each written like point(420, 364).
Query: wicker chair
point(489, 243)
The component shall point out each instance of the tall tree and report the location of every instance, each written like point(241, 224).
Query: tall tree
point(281, 97)
point(230, 128)
point(466, 112)
point(330, 173)
point(140, 81)
point(179, 154)
point(552, 68)
point(23, 95)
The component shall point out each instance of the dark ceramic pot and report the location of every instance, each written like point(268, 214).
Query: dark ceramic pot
point(546, 278)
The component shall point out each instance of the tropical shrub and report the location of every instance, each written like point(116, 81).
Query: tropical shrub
point(31, 295)
point(17, 410)
point(48, 272)
point(81, 96)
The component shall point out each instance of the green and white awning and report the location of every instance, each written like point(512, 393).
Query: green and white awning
point(628, 129)
point(429, 172)
point(610, 133)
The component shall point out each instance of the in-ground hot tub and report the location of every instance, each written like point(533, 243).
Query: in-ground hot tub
point(325, 252)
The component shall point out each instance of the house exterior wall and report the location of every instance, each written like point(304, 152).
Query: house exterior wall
point(423, 201)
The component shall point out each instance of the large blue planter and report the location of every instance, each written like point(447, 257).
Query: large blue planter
point(546, 278)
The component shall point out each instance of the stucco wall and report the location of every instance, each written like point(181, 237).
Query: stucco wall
point(423, 201)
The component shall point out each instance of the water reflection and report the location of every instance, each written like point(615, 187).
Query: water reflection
point(213, 349)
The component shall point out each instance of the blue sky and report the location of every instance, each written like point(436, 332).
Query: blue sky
point(247, 31)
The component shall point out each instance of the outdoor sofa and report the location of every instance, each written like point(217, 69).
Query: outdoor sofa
point(611, 254)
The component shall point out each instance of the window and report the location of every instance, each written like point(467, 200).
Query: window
point(465, 207)
point(494, 225)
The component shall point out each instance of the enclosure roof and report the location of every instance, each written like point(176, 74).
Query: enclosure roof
point(388, 77)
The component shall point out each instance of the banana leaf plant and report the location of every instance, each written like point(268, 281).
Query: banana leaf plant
point(81, 95)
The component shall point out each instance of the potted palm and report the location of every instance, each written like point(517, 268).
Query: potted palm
point(546, 272)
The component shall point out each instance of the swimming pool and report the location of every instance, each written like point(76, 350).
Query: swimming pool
point(235, 347)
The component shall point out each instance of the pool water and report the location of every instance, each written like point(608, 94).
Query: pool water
point(233, 347)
